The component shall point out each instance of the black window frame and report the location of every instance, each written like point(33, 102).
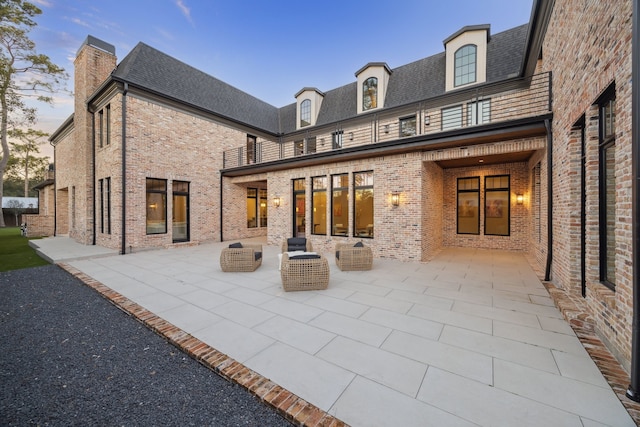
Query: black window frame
point(606, 142)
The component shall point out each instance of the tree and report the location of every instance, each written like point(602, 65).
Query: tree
point(23, 74)
point(24, 164)
point(16, 207)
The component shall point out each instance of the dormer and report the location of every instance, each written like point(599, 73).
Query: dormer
point(466, 52)
point(308, 102)
point(373, 80)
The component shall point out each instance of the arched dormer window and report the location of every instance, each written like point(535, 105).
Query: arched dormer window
point(370, 94)
point(465, 65)
point(305, 113)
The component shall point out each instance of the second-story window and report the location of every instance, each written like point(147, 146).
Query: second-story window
point(370, 94)
point(251, 149)
point(298, 148)
point(465, 65)
point(407, 126)
point(305, 113)
point(452, 117)
point(311, 145)
point(336, 139)
point(479, 112)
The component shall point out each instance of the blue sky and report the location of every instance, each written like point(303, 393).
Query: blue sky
point(269, 49)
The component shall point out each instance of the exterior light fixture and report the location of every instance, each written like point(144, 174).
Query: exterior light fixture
point(395, 198)
point(427, 120)
point(276, 202)
point(386, 128)
point(519, 199)
point(350, 136)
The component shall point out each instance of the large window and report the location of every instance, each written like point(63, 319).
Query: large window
point(305, 113)
point(298, 148)
point(465, 65)
point(252, 207)
point(104, 192)
point(339, 204)
point(370, 94)
point(363, 204)
point(319, 205)
point(256, 207)
point(468, 205)
point(408, 126)
point(156, 206)
point(497, 209)
point(104, 126)
point(180, 217)
point(299, 207)
point(607, 191)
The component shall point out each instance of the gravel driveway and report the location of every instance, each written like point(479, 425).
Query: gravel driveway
point(69, 357)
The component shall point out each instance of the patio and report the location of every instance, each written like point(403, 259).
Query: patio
point(470, 338)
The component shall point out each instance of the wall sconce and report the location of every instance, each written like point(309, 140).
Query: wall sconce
point(427, 120)
point(519, 199)
point(153, 205)
point(386, 128)
point(350, 136)
point(276, 202)
point(395, 198)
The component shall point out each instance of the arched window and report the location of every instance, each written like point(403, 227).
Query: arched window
point(305, 113)
point(465, 65)
point(370, 93)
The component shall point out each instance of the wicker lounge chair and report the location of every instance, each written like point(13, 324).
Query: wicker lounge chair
point(297, 244)
point(304, 272)
point(353, 258)
point(241, 257)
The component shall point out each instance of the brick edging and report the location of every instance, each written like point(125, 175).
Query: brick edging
point(575, 314)
point(290, 406)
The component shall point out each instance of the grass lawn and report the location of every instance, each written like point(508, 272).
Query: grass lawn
point(15, 252)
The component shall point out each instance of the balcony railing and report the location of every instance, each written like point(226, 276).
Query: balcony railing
point(494, 103)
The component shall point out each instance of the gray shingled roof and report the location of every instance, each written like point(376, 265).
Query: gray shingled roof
point(420, 80)
point(151, 69)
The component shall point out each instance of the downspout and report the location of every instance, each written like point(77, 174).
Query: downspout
point(547, 271)
point(55, 192)
point(221, 232)
point(123, 249)
point(633, 392)
point(93, 173)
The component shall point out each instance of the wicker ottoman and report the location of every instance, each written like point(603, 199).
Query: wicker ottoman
point(304, 273)
point(353, 258)
point(248, 257)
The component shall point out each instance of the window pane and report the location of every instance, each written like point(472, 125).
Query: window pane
point(408, 126)
point(298, 148)
point(252, 208)
point(262, 195)
point(496, 205)
point(468, 205)
point(305, 113)
point(370, 93)
point(340, 205)
point(311, 145)
point(363, 208)
point(156, 206)
point(319, 211)
point(465, 65)
point(452, 117)
point(336, 140)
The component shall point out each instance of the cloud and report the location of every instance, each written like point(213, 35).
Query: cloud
point(184, 9)
point(79, 22)
point(43, 3)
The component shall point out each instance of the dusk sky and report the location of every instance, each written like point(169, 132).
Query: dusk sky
point(269, 49)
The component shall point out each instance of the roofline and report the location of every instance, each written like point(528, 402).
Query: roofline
point(538, 23)
point(61, 129)
point(486, 27)
point(312, 89)
point(375, 64)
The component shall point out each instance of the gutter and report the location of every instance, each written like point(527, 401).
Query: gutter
point(633, 392)
point(55, 192)
point(123, 249)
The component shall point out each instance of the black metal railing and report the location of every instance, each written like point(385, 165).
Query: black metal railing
point(493, 103)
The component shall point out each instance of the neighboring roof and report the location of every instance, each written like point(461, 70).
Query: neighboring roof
point(158, 72)
point(44, 184)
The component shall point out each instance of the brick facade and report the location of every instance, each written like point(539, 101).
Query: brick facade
point(586, 48)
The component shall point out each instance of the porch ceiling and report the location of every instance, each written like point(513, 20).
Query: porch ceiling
point(521, 156)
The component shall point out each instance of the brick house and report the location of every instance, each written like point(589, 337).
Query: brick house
point(518, 141)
